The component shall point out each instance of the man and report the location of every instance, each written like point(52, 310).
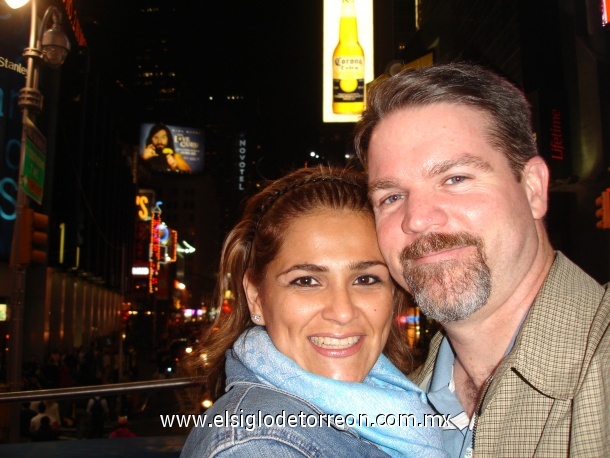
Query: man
point(460, 195)
point(160, 153)
point(97, 412)
point(42, 427)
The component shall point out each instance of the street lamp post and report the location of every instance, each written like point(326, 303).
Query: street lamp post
point(50, 46)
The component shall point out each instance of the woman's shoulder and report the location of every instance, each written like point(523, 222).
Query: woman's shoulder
point(254, 418)
point(251, 397)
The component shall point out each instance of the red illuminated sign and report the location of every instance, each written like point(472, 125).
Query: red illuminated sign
point(173, 246)
point(75, 23)
point(557, 143)
point(155, 250)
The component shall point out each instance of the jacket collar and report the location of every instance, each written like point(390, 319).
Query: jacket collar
point(551, 347)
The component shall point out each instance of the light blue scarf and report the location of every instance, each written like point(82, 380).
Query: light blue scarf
point(385, 391)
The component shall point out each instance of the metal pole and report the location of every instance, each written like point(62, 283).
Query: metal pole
point(116, 389)
point(19, 270)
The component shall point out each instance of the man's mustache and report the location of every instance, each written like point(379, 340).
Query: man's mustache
point(438, 241)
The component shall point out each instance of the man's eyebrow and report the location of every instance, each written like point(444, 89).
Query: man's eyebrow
point(444, 166)
point(382, 184)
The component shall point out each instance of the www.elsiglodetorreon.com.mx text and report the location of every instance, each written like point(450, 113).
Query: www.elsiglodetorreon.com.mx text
point(256, 420)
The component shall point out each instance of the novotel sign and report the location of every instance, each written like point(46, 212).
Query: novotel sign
point(241, 163)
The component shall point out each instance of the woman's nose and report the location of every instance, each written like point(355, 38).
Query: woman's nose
point(340, 307)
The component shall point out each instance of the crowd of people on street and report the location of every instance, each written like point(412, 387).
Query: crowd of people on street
point(97, 364)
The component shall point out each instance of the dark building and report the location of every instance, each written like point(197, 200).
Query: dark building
point(169, 75)
point(557, 52)
point(74, 297)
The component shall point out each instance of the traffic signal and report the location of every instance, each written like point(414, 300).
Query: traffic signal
point(602, 214)
point(33, 240)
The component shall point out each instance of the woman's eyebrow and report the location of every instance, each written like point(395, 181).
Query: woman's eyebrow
point(363, 265)
point(306, 267)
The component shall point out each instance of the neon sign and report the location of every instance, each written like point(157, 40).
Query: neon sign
point(155, 249)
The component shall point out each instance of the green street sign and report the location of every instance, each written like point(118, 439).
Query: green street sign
point(34, 162)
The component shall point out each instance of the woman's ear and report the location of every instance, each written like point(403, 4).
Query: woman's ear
point(254, 302)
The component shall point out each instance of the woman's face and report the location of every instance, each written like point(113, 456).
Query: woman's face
point(326, 300)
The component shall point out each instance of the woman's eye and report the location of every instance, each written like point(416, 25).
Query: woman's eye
point(391, 199)
point(304, 281)
point(367, 280)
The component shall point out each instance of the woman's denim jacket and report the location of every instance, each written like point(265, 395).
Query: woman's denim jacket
point(252, 411)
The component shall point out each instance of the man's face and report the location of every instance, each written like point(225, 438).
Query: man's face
point(455, 227)
point(159, 140)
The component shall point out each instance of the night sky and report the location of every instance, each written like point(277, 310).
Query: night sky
point(269, 51)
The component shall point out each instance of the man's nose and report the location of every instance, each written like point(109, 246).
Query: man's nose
point(421, 212)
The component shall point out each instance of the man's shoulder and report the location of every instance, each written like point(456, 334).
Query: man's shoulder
point(569, 278)
point(573, 291)
point(569, 316)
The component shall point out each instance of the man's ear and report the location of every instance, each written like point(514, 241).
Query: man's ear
point(536, 182)
point(253, 297)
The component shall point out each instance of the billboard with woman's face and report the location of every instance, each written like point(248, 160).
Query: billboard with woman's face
point(171, 149)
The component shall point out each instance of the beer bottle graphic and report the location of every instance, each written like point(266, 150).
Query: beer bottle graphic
point(348, 65)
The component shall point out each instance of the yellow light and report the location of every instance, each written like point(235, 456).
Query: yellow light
point(206, 403)
point(16, 3)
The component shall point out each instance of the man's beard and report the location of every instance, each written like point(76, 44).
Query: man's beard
point(448, 290)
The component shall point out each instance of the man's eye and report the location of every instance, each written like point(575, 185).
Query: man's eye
point(367, 280)
point(391, 199)
point(304, 281)
point(456, 180)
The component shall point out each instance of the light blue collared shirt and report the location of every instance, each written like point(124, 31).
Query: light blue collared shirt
point(457, 432)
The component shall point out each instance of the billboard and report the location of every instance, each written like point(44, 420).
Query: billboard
point(348, 55)
point(14, 31)
point(171, 149)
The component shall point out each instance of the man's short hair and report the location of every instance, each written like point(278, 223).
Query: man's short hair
point(510, 127)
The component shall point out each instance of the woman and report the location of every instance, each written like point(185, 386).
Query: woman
point(300, 351)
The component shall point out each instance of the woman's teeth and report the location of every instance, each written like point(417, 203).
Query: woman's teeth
point(331, 342)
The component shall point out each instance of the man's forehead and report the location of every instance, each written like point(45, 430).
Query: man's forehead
point(462, 124)
point(433, 153)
